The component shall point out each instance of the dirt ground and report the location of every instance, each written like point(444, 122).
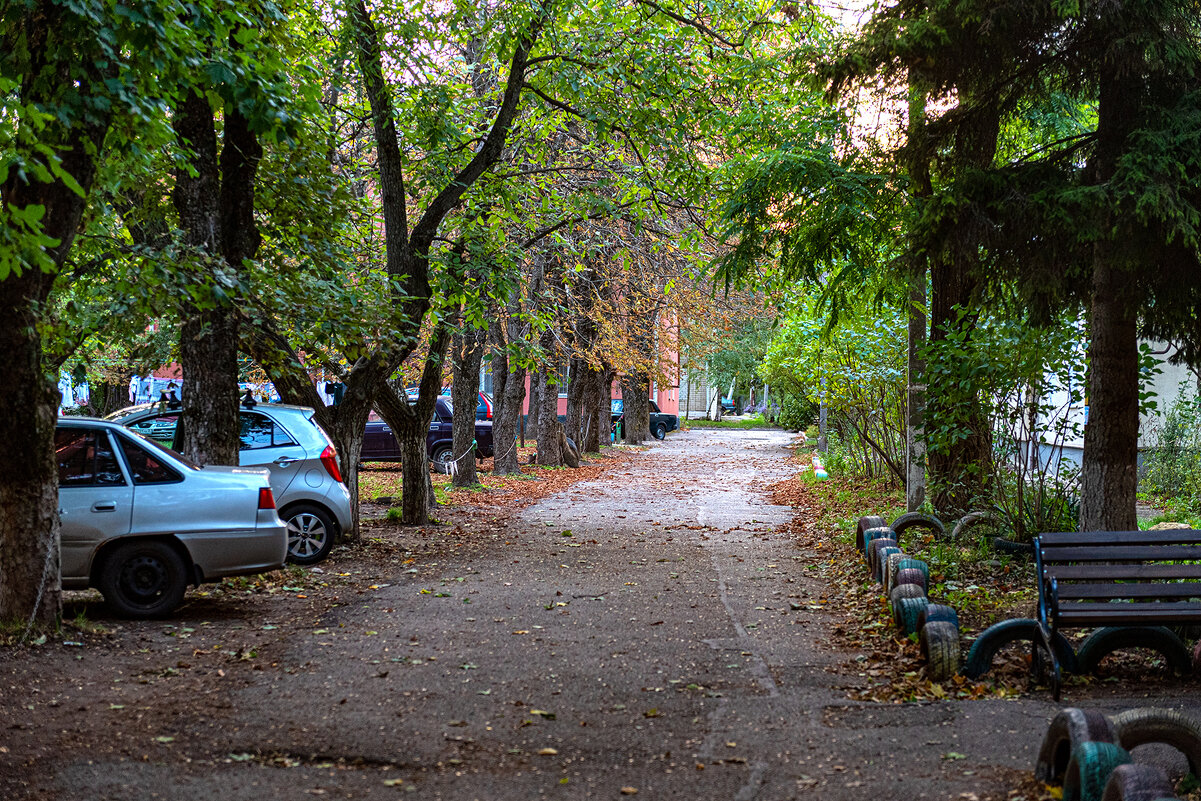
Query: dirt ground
point(659, 629)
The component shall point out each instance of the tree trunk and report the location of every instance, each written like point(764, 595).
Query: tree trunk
point(58, 43)
point(467, 353)
point(29, 523)
point(549, 453)
point(1109, 471)
point(577, 386)
point(604, 404)
point(593, 436)
point(1109, 474)
point(216, 213)
point(410, 424)
point(537, 391)
point(505, 425)
point(915, 435)
point(635, 389)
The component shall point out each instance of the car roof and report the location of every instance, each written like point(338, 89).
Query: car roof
point(143, 408)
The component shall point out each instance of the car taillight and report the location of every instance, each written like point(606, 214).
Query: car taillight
point(329, 458)
point(266, 498)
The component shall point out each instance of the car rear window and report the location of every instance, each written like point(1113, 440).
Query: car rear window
point(146, 467)
point(85, 458)
point(260, 431)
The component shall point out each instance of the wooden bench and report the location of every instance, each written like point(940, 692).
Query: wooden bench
point(1114, 578)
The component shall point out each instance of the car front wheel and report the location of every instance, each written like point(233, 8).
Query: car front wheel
point(660, 431)
point(144, 579)
point(310, 534)
point(442, 459)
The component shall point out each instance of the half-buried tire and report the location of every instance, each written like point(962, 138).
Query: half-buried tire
point(998, 635)
point(1069, 729)
point(1103, 642)
point(1137, 727)
point(1135, 782)
point(940, 645)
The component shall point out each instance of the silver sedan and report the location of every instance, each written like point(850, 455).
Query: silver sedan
point(140, 522)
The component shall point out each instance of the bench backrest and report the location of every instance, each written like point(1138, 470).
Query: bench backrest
point(1154, 575)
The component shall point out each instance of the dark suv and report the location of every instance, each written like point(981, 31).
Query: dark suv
point(661, 422)
point(380, 445)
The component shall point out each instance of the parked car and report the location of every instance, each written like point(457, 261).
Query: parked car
point(140, 522)
point(728, 406)
point(660, 422)
point(305, 474)
point(381, 445)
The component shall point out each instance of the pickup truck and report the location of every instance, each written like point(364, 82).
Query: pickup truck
point(661, 422)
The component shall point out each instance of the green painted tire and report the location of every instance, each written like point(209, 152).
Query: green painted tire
point(998, 635)
point(1067, 730)
point(1089, 770)
point(908, 611)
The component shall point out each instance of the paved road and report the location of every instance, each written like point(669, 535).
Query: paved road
point(655, 649)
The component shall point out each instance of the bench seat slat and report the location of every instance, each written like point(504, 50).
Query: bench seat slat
point(1101, 614)
point(1115, 553)
point(1119, 571)
point(1186, 589)
point(1163, 537)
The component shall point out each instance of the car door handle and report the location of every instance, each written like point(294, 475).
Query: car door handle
point(104, 506)
point(284, 461)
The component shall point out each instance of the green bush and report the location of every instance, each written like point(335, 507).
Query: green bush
point(797, 412)
point(1172, 466)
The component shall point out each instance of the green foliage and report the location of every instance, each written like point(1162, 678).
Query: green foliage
point(1172, 463)
point(797, 411)
point(857, 367)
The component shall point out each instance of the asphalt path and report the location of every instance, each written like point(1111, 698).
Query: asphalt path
point(650, 634)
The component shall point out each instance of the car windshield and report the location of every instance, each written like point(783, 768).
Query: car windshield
point(158, 447)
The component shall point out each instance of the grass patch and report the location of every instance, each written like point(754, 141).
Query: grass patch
point(746, 421)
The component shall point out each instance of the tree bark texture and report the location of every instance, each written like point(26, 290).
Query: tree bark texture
point(577, 387)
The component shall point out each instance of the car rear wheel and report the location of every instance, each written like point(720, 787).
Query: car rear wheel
point(310, 534)
point(660, 431)
point(143, 579)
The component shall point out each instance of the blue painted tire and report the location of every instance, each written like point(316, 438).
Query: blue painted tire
point(867, 522)
point(907, 611)
point(938, 612)
point(998, 635)
point(874, 549)
point(873, 535)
